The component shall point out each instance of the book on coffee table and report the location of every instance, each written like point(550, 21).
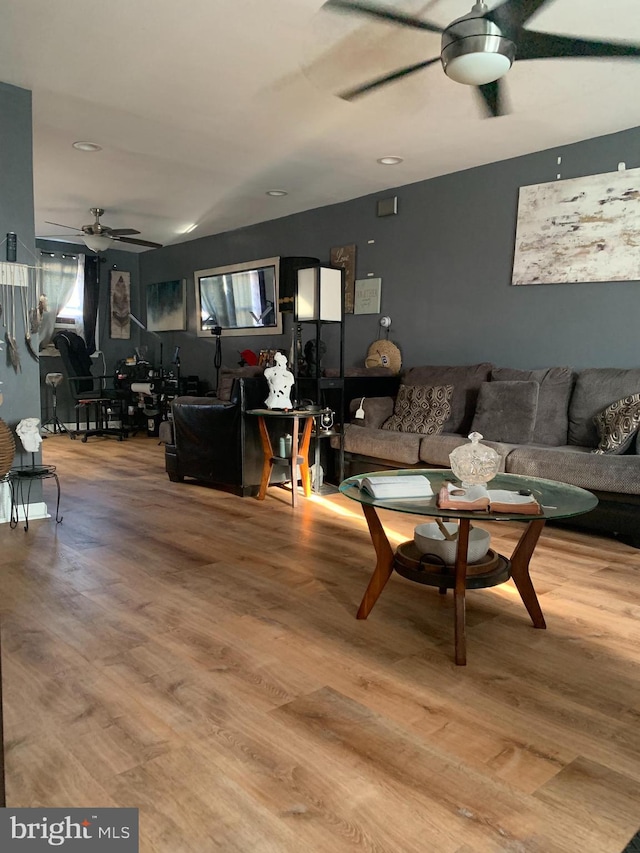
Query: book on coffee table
point(394, 488)
point(473, 498)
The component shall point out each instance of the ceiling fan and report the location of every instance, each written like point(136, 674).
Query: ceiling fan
point(479, 48)
point(99, 237)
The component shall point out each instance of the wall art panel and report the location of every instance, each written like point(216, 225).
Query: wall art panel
point(578, 230)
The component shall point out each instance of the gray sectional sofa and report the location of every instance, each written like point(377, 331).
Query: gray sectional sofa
point(541, 422)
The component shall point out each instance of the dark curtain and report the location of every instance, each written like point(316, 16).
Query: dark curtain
point(90, 304)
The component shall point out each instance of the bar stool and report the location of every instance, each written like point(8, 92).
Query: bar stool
point(53, 424)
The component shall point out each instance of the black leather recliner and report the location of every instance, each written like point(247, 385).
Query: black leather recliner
point(216, 442)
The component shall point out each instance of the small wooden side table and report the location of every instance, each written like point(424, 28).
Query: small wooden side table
point(299, 460)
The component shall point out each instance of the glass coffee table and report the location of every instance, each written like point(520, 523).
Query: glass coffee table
point(558, 500)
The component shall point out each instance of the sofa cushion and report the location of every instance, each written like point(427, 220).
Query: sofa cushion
point(400, 448)
point(578, 466)
point(349, 372)
point(596, 388)
point(618, 424)
point(556, 384)
point(506, 411)
point(435, 449)
point(466, 381)
point(376, 410)
point(420, 408)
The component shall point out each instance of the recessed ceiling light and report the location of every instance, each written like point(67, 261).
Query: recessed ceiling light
point(87, 146)
point(390, 161)
point(276, 193)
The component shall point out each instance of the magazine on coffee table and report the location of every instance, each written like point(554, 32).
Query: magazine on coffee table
point(395, 488)
point(492, 500)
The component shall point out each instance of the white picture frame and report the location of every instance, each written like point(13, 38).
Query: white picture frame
point(367, 296)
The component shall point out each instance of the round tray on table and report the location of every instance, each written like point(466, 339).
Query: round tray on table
point(409, 562)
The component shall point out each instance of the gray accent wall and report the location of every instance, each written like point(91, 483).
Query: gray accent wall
point(445, 261)
point(20, 390)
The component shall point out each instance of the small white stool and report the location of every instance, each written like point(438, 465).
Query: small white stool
point(53, 424)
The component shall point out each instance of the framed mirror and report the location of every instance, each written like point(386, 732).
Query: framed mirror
point(241, 298)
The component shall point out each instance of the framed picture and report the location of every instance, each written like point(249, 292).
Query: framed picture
point(120, 304)
point(367, 296)
point(167, 306)
point(345, 257)
point(241, 299)
point(266, 357)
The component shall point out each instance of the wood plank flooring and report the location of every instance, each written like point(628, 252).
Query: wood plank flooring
point(196, 655)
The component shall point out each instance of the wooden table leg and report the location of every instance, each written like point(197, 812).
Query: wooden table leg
point(459, 592)
point(267, 464)
point(520, 571)
point(305, 474)
point(384, 563)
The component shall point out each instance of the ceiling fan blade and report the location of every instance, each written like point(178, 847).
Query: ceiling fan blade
point(60, 225)
point(493, 98)
point(512, 14)
point(117, 232)
point(382, 13)
point(533, 45)
point(138, 242)
point(352, 94)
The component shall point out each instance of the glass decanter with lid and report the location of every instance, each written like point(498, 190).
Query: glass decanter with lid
point(474, 464)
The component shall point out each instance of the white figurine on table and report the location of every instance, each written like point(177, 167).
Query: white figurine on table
point(280, 381)
point(29, 433)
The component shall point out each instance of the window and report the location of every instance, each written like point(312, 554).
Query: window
point(70, 314)
point(62, 284)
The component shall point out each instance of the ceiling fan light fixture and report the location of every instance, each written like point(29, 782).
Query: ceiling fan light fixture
point(477, 69)
point(97, 242)
point(474, 50)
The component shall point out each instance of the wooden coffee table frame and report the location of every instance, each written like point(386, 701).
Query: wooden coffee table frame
point(557, 500)
point(519, 572)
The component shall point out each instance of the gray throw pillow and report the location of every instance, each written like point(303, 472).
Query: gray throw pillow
point(618, 424)
point(506, 411)
point(421, 409)
point(556, 384)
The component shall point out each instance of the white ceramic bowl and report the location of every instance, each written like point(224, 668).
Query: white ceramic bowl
point(429, 539)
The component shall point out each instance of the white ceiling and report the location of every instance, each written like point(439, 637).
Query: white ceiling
point(202, 106)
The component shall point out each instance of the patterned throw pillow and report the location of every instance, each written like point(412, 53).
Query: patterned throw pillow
point(422, 409)
point(618, 424)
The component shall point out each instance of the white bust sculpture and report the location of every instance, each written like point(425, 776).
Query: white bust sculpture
point(29, 433)
point(280, 381)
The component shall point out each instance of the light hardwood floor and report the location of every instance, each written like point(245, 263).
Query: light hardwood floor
point(196, 655)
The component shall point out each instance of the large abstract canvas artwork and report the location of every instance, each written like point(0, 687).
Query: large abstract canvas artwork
point(166, 308)
point(583, 229)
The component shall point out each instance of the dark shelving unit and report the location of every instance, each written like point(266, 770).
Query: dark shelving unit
point(319, 306)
